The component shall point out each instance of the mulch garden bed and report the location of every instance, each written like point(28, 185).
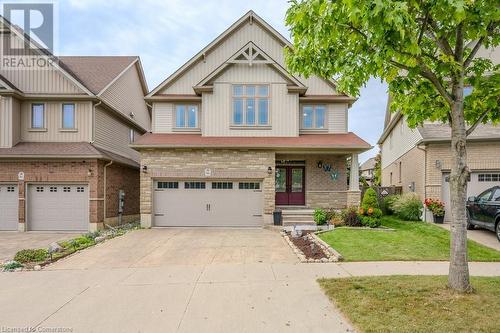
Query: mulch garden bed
point(310, 248)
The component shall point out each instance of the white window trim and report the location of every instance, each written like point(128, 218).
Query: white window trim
point(314, 128)
point(68, 129)
point(38, 129)
point(244, 97)
point(197, 128)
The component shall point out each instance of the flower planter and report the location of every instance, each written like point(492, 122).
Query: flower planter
point(438, 219)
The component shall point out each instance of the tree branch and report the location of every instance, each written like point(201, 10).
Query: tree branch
point(442, 42)
point(477, 122)
point(476, 47)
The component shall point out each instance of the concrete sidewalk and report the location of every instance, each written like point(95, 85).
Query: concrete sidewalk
point(188, 298)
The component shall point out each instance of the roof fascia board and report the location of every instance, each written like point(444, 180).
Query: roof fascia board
point(389, 127)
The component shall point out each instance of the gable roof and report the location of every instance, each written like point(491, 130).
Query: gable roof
point(97, 72)
point(368, 165)
point(442, 132)
point(251, 17)
point(251, 54)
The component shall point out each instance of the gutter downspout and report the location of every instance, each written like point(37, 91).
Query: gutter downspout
point(425, 177)
point(105, 187)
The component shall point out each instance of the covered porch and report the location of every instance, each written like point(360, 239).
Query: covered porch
point(310, 180)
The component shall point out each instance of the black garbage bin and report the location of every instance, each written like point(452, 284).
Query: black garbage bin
point(277, 217)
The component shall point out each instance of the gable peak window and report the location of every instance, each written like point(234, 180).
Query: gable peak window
point(131, 135)
point(38, 115)
point(68, 116)
point(186, 116)
point(250, 105)
point(314, 117)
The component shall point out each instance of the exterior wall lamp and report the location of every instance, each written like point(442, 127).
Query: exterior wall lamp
point(145, 168)
point(320, 164)
point(269, 170)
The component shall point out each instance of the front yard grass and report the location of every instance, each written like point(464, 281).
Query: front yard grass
point(415, 304)
point(409, 241)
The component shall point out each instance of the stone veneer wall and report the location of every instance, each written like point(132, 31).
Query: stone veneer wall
point(75, 171)
point(191, 164)
point(321, 190)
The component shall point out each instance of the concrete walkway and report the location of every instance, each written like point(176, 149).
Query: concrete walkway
point(481, 236)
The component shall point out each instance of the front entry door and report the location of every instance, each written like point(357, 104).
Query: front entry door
point(290, 183)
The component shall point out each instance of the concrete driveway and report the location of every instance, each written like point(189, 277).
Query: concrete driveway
point(175, 280)
point(11, 242)
point(481, 236)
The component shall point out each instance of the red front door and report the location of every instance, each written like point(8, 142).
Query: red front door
point(290, 183)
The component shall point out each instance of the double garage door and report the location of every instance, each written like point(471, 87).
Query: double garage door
point(221, 203)
point(57, 207)
point(479, 182)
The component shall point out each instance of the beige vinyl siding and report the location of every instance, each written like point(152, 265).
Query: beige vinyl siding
point(39, 80)
point(16, 121)
point(403, 139)
point(5, 122)
point(53, 123)
point(229, 46)
point(126, 95)
point(337, 117)
point(257, 73)
point(162, 117)
point(217, 111)
point(113, 134)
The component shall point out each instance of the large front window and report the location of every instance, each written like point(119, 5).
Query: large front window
point(186, 116)
point(250, 105)
point(313, 117)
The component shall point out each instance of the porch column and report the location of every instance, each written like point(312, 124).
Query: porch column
point(354, 177)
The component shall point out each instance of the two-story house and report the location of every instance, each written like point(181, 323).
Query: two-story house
point(235, 135)
point(65, 127)
point(367, 170)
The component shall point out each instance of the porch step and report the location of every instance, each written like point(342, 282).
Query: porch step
point(297, 217)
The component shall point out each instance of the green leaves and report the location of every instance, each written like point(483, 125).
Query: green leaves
point(409, 44)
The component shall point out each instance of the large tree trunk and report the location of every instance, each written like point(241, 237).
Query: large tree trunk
point(458, 278)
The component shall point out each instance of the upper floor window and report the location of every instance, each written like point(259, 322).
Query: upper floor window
point(186, 116)
point(250, 105)
point(313, 117)
point(37, 115)
point(68, 116)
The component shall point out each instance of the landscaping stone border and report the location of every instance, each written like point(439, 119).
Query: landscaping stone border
point(333, 256)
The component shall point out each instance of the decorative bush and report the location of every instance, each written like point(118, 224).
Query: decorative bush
point(350, 216)
point(388, 204)
point(408, 207)
point(335, 218)
point(370, 212)
point(11, 265)
point(370, 199)
point(31, 255)
point(320, 216)
point(436, 206)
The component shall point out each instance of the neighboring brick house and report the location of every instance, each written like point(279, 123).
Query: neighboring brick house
point(367, 170)
point(419, 159)
point(235, 135)
point(65, 128)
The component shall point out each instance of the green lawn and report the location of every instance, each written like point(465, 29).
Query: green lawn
point(416, 304)
point(410, 241)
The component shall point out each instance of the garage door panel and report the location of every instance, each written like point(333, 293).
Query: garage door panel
point(181, 206)
point(56, 207)
point(9, 207)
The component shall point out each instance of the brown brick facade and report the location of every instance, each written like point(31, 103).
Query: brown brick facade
point(406, 170)
point(90, 172)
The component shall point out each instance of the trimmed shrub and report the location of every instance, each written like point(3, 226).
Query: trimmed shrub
point(11, 265)
point(408, 207)
point(388, 204)
point(350, 216)
point(31, 255)
point(335, 217)
point(320, 216)
point(370, 199)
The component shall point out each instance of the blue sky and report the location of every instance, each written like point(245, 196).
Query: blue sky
point(165, 34)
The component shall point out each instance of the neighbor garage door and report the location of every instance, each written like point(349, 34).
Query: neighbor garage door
point(9, 202)
point(210, 204)
point(479, 182)
point(58, 207)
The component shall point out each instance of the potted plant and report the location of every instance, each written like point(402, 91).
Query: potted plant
point(436, 206)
